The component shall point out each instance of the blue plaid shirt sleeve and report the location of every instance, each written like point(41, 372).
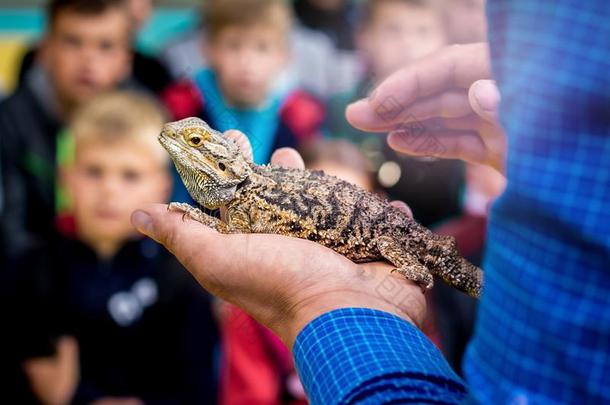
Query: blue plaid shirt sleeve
point(365, 356)
point(543, 327)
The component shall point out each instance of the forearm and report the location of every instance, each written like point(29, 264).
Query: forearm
point(368, 356)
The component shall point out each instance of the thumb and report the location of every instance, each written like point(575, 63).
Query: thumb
point(484, 99)
point(287, 157)
point(142, 221)
point(169, 228)
point(403, 207)
point(195, 245)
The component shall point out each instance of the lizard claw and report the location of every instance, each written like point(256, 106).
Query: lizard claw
point(425, 281)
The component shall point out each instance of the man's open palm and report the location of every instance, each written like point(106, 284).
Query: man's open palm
point(282, 282)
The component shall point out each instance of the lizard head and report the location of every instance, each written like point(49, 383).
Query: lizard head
point(210, 165)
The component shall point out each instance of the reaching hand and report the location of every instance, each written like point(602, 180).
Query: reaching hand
point(282, 282)
point(444, 105)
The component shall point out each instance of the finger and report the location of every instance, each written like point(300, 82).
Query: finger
point(470, 122)
point(450, 104)
point(454, 67)
point(287, 157)
point(403, 207)
point(484, 98)
point(446, 144)
point(242, 142)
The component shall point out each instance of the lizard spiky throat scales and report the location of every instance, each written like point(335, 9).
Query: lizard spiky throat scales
point(309, 205)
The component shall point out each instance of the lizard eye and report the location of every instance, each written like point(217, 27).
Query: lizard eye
point(221, 166)
point(194, 140)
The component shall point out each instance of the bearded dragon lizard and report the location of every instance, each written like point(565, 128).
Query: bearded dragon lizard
point(307, 204)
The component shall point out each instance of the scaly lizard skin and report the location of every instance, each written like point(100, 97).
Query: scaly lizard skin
point(310, 205)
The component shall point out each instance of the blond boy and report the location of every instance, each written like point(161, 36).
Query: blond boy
point(122, 300)
point(247, 44)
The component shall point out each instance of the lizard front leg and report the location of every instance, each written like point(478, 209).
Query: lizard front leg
point(405, 262)
point(200, 216)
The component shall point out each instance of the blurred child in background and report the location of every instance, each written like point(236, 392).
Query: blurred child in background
point(392, 34)
point(247, 46)
point(257, 368)
point(146, 72)
point(316, 64)
point(140, 328)
point(334, 18)
point(84, 51)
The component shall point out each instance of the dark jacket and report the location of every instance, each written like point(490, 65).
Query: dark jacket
point(27, 156)
point(144, 326)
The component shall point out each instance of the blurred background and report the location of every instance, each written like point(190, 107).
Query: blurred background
point(93, 314)
point(23, 22)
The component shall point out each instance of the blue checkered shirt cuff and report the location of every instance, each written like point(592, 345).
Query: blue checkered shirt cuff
point(365, 356)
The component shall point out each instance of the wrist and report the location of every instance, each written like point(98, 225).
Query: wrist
point(305, 313)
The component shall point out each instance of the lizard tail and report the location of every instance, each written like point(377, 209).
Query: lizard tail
point(473, 279)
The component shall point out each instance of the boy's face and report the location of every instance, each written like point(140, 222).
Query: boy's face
point(399, 33)
point(87, 54)
point(246, 61)
point(109, 180)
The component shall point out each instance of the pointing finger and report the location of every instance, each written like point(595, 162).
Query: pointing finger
point(455, 67)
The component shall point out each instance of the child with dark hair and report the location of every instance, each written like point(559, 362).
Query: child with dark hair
point(257, 366)
point(147, 73)
point(111, 316)
point(84, 51)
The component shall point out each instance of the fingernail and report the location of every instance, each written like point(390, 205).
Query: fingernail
point(142, 221)
point(403, 207)
point(358, 103)
point(487, 96)
point(287, 157)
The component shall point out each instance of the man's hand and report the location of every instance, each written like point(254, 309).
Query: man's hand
point(444, 105)
point(283, 282)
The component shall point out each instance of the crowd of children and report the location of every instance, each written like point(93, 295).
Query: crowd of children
point(94, 314)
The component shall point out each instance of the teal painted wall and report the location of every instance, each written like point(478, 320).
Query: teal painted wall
point(165, 24)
